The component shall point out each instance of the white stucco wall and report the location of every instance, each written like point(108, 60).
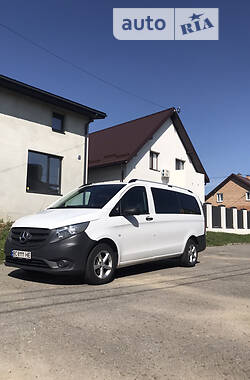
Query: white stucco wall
point(167, 143)
point(25, 124)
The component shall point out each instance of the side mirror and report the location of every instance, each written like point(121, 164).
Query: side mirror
point(130, 211)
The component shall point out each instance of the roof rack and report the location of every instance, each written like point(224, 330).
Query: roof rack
point(182, 188)
point(160, 183)
point(85, 184)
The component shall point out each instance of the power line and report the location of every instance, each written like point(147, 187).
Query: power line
point(79, 68)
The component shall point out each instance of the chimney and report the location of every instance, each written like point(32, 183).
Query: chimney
point(248, 176)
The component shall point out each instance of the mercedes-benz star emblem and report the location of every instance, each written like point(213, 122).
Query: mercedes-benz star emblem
point(24, 236)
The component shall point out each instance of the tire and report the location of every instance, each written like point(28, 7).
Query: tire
point(190, 255)
point(101, 265)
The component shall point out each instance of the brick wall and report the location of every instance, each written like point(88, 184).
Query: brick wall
point(233, 196)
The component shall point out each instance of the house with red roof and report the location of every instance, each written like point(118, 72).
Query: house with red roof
point(234, 191)
point(154, 147)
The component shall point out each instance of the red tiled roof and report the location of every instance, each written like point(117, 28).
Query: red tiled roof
point(244, 181)
point(120, 143)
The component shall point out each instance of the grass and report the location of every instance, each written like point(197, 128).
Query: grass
point(222, 238)
point(4, 230)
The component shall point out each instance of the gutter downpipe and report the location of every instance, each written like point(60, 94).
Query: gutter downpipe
point(86, 152)
point(122, 170)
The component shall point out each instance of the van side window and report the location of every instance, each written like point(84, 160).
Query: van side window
point(166, 201)
point(189, 204)
point(134, 198)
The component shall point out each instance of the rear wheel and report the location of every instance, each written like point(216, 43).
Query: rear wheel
point(190, 255)
point(101, 265)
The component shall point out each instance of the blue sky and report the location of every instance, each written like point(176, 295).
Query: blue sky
point(209, 80)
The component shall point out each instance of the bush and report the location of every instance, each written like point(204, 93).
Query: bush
point(4, 230)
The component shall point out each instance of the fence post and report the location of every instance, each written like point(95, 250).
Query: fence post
point(223, 216)
point(209, 215)
point(235, 219)
point(244, 218)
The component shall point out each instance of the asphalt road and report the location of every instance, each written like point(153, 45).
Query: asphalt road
point(155, 321)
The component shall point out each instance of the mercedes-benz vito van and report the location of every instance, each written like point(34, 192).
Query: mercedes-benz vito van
point(97, 228)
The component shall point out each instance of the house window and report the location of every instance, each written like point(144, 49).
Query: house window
point(248, 195)
point(179, 164)
point(153, 164)
point(57, 122)
point(43, 173)
point(220, 197)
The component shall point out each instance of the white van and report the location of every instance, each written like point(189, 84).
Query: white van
point(97, 228)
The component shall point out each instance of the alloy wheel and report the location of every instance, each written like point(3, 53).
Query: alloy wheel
point(192, 253)
point(103, 264)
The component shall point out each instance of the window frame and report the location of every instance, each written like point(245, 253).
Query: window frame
point(178, 160)
point(179, 203)
point(219, 199)
point(185, 211)
point(59, 116)
point(174, 193)
point(248, 196)
point(47, 174)
point(151, 162)
point(117, 209)
point(61, 203)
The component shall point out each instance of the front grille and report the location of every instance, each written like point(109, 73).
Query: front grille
point(37, 236)
point(31, 263)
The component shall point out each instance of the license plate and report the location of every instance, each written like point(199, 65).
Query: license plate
point(21, 254)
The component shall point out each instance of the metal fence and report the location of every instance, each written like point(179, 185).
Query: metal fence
point(220, 218)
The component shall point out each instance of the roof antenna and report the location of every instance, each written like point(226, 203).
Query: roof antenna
point(178, 109)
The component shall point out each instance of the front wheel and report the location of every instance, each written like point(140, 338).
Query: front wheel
point(101, 265)
point(190, 255)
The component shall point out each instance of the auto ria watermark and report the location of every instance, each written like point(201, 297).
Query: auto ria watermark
point(166, 23)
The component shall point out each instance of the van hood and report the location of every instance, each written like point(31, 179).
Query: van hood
point(54, 218)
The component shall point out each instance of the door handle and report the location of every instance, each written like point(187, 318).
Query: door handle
point(148, 218)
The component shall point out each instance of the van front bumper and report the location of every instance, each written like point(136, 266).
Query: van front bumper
point(67, 255)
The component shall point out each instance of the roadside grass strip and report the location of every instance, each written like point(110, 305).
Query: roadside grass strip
point(222, 238)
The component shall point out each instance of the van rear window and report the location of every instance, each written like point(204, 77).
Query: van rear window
point(166, 201)
point(188, 204)
point(173, 202)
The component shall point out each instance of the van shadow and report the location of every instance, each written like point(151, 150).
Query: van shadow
point(45, 278)
point(148, 267)
point(69, 279)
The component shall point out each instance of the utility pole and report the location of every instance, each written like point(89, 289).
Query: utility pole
point(86, 151)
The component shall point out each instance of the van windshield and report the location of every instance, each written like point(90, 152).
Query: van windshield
point(95, 196)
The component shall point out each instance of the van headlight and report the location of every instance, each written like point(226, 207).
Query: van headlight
point(68, 231)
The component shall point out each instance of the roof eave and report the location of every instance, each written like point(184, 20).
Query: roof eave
point(97, 166)
point(150, 136)
point(189, 146)
point(50, 98)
